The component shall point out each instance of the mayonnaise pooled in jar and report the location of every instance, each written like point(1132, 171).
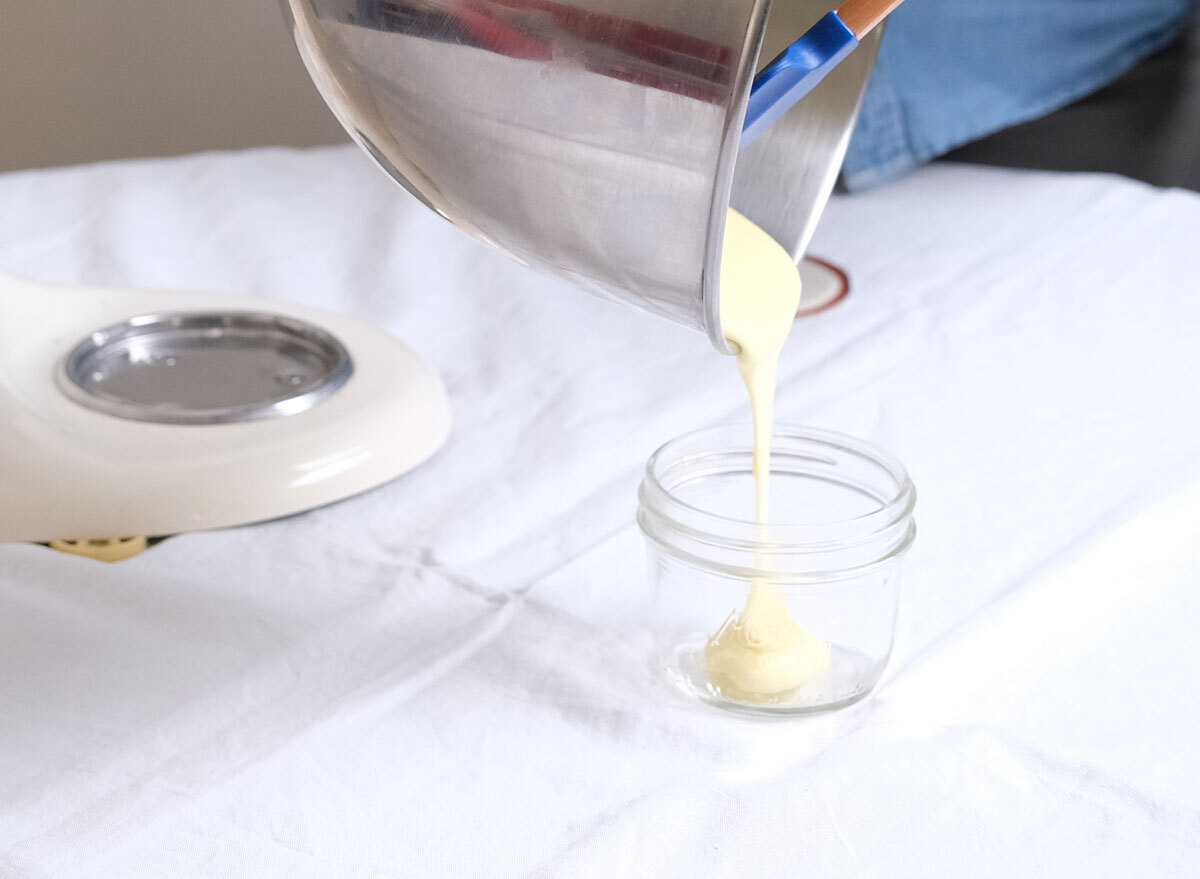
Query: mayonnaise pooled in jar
point(760, 653)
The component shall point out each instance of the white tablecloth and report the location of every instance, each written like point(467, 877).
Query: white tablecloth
point(449, 676)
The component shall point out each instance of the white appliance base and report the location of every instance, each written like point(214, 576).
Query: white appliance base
point(67, 471)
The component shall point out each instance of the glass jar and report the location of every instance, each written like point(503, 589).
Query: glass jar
point(790, 617)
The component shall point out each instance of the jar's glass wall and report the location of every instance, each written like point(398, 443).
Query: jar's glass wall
point(829, 559)
point(855, 617)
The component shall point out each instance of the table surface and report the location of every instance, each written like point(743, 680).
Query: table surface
point(449, 675)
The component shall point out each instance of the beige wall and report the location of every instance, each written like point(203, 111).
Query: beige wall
point(85, 80)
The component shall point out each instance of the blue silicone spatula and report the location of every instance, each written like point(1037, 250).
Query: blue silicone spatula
point(804, 63)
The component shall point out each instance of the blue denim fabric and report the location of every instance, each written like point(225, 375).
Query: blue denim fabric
point(952, 71)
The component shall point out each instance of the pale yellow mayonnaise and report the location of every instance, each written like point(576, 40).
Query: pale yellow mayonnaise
point(760, 652)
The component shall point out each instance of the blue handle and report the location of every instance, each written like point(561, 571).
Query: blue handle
point(795, 72)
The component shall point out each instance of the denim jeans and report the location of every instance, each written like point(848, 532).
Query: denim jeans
point(951, 71)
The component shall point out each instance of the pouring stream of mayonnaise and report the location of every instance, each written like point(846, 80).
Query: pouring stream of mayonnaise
point(760, 652)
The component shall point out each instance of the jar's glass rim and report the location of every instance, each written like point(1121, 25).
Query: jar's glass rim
point(777, 536)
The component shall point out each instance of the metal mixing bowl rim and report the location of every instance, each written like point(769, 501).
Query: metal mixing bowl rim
point(731, 138)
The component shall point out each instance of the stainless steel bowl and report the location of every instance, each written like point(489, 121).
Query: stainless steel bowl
point(594, 139)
